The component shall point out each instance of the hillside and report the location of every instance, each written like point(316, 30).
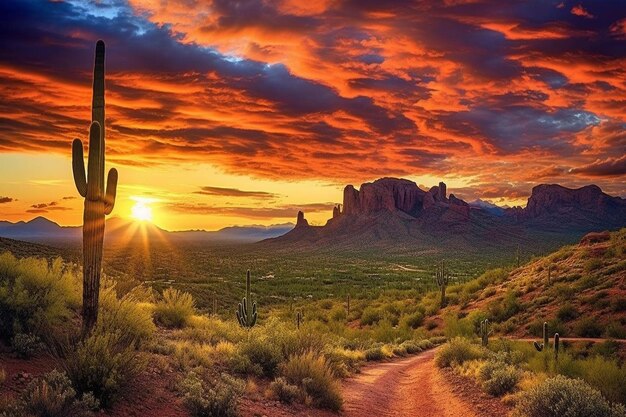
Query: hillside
point(580, 290)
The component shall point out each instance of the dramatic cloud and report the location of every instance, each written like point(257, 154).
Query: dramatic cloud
point(4, 200)
point(610, 167)
point(481, 92)
point(46, 207)
point(234, 192)
point(280, 212)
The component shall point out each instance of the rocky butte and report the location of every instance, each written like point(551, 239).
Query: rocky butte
point(396, 212)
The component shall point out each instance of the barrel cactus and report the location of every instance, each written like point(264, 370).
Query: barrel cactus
point(246, 312)
point(99, 201)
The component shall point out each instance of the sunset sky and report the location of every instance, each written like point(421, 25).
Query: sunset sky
point(243, 112)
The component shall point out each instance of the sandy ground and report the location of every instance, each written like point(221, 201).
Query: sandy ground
point(414, 387)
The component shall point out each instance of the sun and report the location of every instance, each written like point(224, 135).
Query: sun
point(141, 211)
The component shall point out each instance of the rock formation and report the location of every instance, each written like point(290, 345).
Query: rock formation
point(301, 221)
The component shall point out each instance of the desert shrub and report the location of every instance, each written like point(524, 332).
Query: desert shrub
point(455, 327)
point(313, 375)
point(370, 316)
point(618, 304)
point(343, 362)
point(588, 327)
point(52, 395)
point(263, 353)
point(175, 309)
point(413, 320)
point(399, 351)
point(592, 264)
point(616, 330)
point(457, 351)
point(498, 378)
point(214, 398)
point(374, 354)
point(607, 376)
point(26, 345)
point(102, 364)
point(567, 312)
point(562, 396)
point(35, 295)
point(338, 314)
point(126, 315)
point(284, 391)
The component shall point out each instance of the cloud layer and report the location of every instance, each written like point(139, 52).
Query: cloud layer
point(502, 96)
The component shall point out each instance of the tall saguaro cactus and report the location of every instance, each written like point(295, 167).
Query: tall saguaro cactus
point(98, 202)
point(485, 332)
point(246, 312)
point(442, 278)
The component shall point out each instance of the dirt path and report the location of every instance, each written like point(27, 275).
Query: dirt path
point(408, 387)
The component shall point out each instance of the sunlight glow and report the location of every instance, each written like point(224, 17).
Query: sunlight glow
point(141, 210)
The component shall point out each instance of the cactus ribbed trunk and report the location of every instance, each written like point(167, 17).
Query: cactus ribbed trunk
point(93, 236)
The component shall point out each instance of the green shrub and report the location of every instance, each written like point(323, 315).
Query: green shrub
point(607, 376)
point(35, 295)
point(413, 320)
point(374, 354)
point(370, 316)
point(567, 312)
point(588, 327)
point(457, 351)
point(592, 264)
point(561, 396)
point(175, 309)
point(126, 316)
point(284, 391)
point(101, 364)
point(498, 378)
point(616, 330)
point(313, 375)
point(263, 353)
point(52, 395)
point(26, 345)
point(216, 398)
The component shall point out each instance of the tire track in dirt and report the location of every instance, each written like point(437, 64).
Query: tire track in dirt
point(405, 388)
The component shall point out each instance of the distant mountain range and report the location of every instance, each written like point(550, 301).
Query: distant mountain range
point(41, 229)
point(392, 212)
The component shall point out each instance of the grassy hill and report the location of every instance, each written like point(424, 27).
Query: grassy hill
point(580, 290)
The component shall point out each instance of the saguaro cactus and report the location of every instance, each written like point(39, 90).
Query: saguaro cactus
point(556, 346)
point(442, 278)
point(298, 319)
point(485, 332)
point(546, 342)
point(98, 202)
point(348, 305)
point(246, 312)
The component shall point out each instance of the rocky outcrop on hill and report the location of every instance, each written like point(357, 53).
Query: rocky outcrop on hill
point(301, 221)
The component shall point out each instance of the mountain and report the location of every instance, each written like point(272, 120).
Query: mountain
point(41, 229)
point(392, 212)
point(489, 207)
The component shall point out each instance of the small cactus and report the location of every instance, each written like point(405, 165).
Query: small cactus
point(556, 346)
point(442, 278)
point(246, 312)
point(546, 342)
point(298, 319)
point(485, 332)
point(348, 305)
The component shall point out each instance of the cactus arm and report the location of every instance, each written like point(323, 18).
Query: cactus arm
point(538, 346)
point(94, 188)
point(78, 167)
point(109, 197)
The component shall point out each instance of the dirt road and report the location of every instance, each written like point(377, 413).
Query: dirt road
point(408, 387)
